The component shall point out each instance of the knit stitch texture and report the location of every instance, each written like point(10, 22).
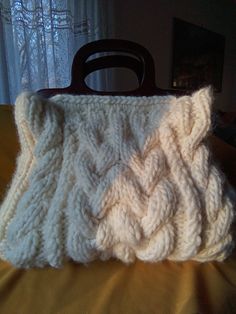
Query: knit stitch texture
point(115, 176)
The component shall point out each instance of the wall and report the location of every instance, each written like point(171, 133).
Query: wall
point(150, 24)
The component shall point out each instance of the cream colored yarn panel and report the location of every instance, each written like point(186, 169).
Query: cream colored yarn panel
point(115, 176)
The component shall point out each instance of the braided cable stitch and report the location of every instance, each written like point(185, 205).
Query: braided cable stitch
point(115, 176)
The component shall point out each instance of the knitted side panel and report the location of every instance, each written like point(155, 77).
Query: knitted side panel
point(24, 164)
point(21, 237)
point(123, 177)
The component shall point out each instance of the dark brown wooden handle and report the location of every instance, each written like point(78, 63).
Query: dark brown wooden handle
point(143, 61)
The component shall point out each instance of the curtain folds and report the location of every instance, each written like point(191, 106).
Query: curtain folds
point(39, 38)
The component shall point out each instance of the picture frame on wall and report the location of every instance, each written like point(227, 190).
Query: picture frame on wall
point(198, 57)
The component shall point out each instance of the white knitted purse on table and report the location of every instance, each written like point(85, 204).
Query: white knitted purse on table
point(115, 176)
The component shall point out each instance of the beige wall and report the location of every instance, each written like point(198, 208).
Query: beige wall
point(150, 24)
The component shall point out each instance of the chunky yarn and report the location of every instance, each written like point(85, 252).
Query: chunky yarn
point(115, 176)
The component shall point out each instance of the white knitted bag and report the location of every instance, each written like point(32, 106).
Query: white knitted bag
point(115, 176)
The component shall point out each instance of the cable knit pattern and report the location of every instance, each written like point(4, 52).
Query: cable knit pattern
point(115, 176)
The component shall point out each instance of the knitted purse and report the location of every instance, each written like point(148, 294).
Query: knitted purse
point(115, 176)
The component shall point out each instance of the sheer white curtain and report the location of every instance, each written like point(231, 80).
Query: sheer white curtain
point(38, 39)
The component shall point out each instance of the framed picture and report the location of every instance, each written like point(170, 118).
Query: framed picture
point(198, 57)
